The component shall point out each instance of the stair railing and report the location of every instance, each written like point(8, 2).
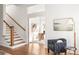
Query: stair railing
point(16, 22)
point(11, 33)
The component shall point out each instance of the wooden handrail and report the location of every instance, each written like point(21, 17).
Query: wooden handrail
point(6, 23)
point(11, 33)
point(16, 22)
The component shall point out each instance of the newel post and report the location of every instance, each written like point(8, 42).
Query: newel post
point(12, 35)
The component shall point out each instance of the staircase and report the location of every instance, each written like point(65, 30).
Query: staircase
point(11, 37)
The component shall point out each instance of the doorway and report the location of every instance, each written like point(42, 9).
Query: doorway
point(37, 30)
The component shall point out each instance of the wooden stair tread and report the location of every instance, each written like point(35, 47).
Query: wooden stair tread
point(19, 43)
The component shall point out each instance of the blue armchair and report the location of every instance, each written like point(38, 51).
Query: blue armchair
point(57, 45)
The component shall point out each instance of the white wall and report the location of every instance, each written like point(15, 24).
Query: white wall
point(19, 13)
point(62, 11)
point(1, 23)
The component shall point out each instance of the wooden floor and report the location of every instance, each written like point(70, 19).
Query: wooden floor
point(31, 49)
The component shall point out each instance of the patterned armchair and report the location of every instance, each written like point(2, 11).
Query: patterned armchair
point(57, 45)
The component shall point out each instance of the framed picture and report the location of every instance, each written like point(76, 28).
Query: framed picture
point(64, 24)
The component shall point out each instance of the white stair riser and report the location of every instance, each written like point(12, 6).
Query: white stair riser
point(17, 39)
point(8, 36)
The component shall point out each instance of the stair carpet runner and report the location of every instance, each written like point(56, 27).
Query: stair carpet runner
point(18, 41)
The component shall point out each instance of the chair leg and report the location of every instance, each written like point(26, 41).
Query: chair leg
point(74, 52)
point(65, 52)
point(48, 50)
point(55, 53)
point(58, 53)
